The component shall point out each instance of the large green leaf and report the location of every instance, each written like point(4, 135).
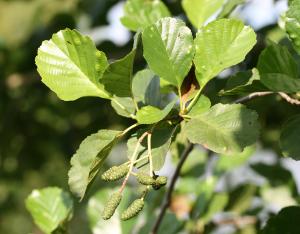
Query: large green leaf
point(286, 221)
point(151, 114)
point(160, 144)
point(290, 138)
point(292, 21)
point(199, 11)
point(169, 50)
point(244, 82)
point(146, 88)
point(113, 225)
point(278, 69)
point(141, 13)
point(224, 128)
point(71, 66)
point(50, 208)
point(88, 159)
point(219, 45)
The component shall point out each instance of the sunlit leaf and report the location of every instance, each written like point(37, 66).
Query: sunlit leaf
point(168, 49)
point(199, 11)
point(71, 66)
point(151, 114)
point(219, 45)
point(89, 158)
point(50, 208)
point(224, 128)
point(141, 13)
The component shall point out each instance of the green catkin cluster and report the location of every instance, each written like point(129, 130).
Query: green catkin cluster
point(115, 173)
point(145, 179)
point(160, 181)
point(133, 210)
point(111, 205)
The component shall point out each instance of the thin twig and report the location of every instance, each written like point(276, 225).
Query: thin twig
point(252, 96)
point(289, 99)
point(168, 196)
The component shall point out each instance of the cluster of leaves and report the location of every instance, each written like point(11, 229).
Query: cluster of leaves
point(71, 66)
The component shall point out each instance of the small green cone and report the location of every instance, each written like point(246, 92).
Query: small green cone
point(160, 182)
point(111, 205)
point(115, 173)
point(133, 210)
point(145, 179)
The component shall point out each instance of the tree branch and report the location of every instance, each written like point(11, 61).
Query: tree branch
point(289, 99)
point(252, 96)
point(168, 196)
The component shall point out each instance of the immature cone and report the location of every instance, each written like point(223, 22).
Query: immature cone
point(159, 182)
point(135, 207)
point(111, 205)
point(145, 179)
point(115, 173)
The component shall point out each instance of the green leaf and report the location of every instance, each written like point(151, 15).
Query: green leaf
point(202, 105)
point(89, 158)
point(151, 114)
point(71, 66)
point(224, 128)
point(114, 224)
point(278, 70)
point(229, 7)
point(146, 88)
point(169, 50)
point(138, 14)
point(286, 221)
point(160, 144)
point(50, 208)
point(243, 83)
point(292, 21)
point(199, 11)
point(124, 106)
point(117, 78)
point(219, 45)
point(290, 138)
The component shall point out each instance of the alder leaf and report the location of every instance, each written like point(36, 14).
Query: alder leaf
point(146, 88)
point(290, 138)
point(202, 105)
point(278, 69)
point(138, 14)
point(71, 66)
point(50, 208)
point(160, 143)
point(199, 11)
point(220, 45)
point(151, 114)
point(89, 158)
point(224, 128)
point(169, 50)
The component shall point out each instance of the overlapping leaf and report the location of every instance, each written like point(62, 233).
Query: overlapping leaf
point(219, 45)
point(160, 144)
point(141, 13)
point(290, 138)
point(278, 69)
point(88, 159)
point(168, 49)
point(229, 7)
point(199, 11)
point(50, 208)
point(151, 114)
point(202, 105)
point(71, 66)
point(224, 128)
